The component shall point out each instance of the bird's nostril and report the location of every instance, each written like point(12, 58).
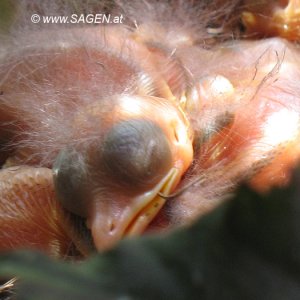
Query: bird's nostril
point(176, 135)
point(112, 227)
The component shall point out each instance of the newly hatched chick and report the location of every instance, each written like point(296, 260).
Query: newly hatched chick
point(146, 125)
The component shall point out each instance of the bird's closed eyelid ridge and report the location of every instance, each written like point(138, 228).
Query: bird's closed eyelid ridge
point(135, 152)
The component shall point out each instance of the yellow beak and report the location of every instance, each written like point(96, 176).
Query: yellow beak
point(131, 218)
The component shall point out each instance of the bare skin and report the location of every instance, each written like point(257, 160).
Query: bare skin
point(134, 133)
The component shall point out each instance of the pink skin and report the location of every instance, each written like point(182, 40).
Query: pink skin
point(75, 79)
point(264, 75)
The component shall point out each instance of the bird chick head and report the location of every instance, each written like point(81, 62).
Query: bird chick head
point(143, 149)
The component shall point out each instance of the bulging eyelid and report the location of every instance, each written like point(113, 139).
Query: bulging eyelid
point(135, 151)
